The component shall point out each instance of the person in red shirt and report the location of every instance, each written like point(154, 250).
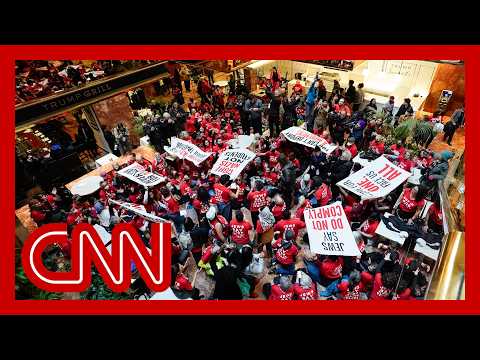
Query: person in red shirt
point(303, 204)
point(218, 224)
point(323, 193)
point(271, 155)
point(285, 252)
point(410, 203)
point(425, 159)
point(287, 223)
point(378, 145)
point(240, 229)
point(257, 200)
point(369, 226)
point(405, 162)
point(190, 124)
point(398, 149)
point(330, 269)
point(223, 196)
point(304, 289)
point(434, 218)
point(279, 207)
point(352, 147)
point(282, 291)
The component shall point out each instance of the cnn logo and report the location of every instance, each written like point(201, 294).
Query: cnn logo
point(87, 248)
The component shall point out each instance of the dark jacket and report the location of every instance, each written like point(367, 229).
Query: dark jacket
point(403, 109)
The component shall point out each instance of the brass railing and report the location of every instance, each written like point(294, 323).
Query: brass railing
point(448, 279)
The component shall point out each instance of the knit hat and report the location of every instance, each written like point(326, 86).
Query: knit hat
point(446, 155)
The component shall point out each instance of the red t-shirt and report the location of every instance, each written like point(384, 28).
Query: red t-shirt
point(410, 205)
point(278, 294)
point(240, 231)
point(323, 194)
point(222, 193)
point(285, 256)
point(173, 205)
point(257, 199)
point(182, 283)
point(436, 214)
point(405, 164)
point(272, 158)
point(305, 294)
point(301, 210)
point(277, 211)
point(37, 215)
point(220, 219)
point(378, 147)
point(353, 150)
point(291, 224)
point(401, 150)
point(370, 227)
point(379, 292)
point(331, 269)
point(190, 125)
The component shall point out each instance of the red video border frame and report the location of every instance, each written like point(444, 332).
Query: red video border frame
point(8, 54)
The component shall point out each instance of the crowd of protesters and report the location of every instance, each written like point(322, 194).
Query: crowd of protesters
point(247, 236)
point(39, 78)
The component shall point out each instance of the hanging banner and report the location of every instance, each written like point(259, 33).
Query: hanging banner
point(300, 136)
point(329, 232)
point(139, 210)
point(376, 180)
point(137, 173)
point(185, 150)
point(232, 162)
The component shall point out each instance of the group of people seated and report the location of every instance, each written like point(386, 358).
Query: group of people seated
point(246, 237)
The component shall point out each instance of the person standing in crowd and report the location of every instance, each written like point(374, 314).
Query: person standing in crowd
point(109, 138)
point(458, 117)
point(351, 92)
point(185, 77)
point(359, 98)
point(287, 179)
point(275, 78)
point(320, 115)
point(274, 113)
point(122, 138)
point(310, 101)
point(254, 108)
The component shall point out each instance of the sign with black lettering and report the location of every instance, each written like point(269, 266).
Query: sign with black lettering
point(377, 179)
point(137, 173)
point(329, 232)
point(232, 162)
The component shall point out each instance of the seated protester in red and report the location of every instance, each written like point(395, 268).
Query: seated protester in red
point(434, 218)
point(369, 226)
point(378, 145)
point(282, 291)
point(271, 155)
point(352, 147)
point(352, 288)
point(323, 194)
point(405, 162)
point(257, 200)
point(302, 205)
point(330, 269)
point(240, 229)
point(424, 160)
point(218, 224)
point(285, 252)
point(223, 195)
point(279, 207)
point(383, 283)
point(398, 149)
point(410, 203)
point(304, 288)
point(287, 223)
point(294, 160)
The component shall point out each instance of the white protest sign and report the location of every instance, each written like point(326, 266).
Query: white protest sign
point(376, 180)
point(185, 150)
point(137, 173)
point(232, 162)
point(329, 232)
point(139, 210)
point(304, 137)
